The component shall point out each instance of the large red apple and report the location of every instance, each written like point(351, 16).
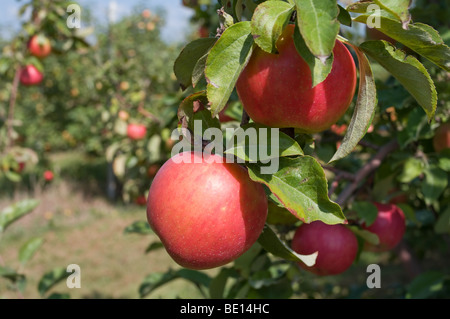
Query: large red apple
point(39, 46)
point(30, 75)
point(441, 139)
point(206, 214)
point(389, 226)
point(276, 89)
point(136, 131)
point(336, 246)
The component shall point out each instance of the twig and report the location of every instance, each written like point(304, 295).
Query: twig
point(245, 118)
point(373, 164)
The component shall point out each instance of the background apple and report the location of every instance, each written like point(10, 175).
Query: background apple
point(276, 89)
point(30, 75)
point(336, 246)
point(39, 46)
point(389, 226)
point(136, 131)
point(441, 139)
point(48, 175)
point(206, 214)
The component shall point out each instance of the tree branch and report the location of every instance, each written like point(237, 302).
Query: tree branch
point(372, 165)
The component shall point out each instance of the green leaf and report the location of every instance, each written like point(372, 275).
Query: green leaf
point(366, 211)
point(318, 25)
point(407, 70)
point(138, 227)
point(154, 246)
point(186, 62)
point(442, 225)
point(398, 8)
point(419, 37)
point(365, 235)
point(252, 142)
point(435, 183)
point(364, 110)
point(344, 17)
point(301, 186)
point(426, 285)
point(14, 212)
point(226, 60)
point(272, 243)
point(10, 274)
point(156, 280)
point(319, 70)
point(268, 22)
point(50, 279)
point(28, 250)
point(218, 283)
point(412, 168)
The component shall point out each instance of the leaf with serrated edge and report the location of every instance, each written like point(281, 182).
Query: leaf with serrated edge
point(419, 37)
point(319, 70)
point(225, 62)
point(247, 150)
point(301, 186)
point(407, 70)
point(187, 60)
point(318, 25)
point(268, 22)
point(274, 245)
point(399, 8)
point(364, 109)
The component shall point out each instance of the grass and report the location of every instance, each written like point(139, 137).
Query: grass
point(86, 230)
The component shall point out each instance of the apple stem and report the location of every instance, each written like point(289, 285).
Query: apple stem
point(245, 118)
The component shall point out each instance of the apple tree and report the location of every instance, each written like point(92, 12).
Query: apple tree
point(347, 167)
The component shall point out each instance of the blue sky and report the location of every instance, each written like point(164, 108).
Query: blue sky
point(177, 16)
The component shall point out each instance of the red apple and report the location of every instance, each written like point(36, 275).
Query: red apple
point(30, 75)
point(141, 200)
point(152, 170)
point(441, 139)
point(276, 89)
point(205, 211)
point(48, 175)
point(39, 46)
point(224, 118)
point(389, 226)
point(336, 245)
point(136, 131)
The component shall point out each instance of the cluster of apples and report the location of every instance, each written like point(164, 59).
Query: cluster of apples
point(208, 212)
point(40, 47)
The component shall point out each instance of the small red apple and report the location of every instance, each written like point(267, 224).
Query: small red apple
point(336, 245)
point(441, 139)
point(39, 46)
point(205, 211)
point(389, 226)
point(30, 75)
point(152, 170)
point(136, 131)
point(141, 200)
point(276, 89)
point(48, 175)
point(224, 118)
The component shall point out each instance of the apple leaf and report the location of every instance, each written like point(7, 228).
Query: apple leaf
point(14, 212)
point(260, 140)
point(364, 109)
point(51, 278)
point(344, 17)
point(155, 280)
point(188, 61)
point(138, 227)
point(365, 235)
point(268, 22)
point(407, 70)
point(274, 245)
point(301, 186)
point(319, 70)
point(435, 183)
point(399, 8)
point(366, 211)
point(442, 225)
point(318, 25)
point(239, 8)
point(226, 60)
point(419, 37)
point(28, 249)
